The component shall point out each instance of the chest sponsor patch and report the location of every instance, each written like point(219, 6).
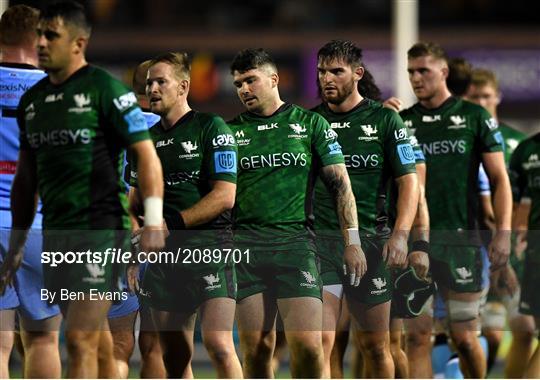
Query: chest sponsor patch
point(406, 154)
point(225, 162)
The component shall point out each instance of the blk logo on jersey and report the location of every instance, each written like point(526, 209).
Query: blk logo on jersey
point(225, 162)
point(265, 127)
point(431, 119)
point(162, 143)
point(406, 154)
point(346, 124)
point(54, 97)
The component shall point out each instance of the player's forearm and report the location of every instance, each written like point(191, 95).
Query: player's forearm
point(135, 208)
point(408, 193)
point(502, 202)
point(210, 206)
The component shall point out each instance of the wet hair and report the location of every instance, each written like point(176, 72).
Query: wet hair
point(422, 49)
point(179, 61)
point(483, 77)
point(71, 12)
point(459, 76)
point(249, 59)
point(348, 52)
point(18, 25)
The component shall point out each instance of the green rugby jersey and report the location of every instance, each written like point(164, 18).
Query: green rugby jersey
point(525, 177)
point(77, 131)
point(376, 146)
point(198, 149)
point(278, 160)
point(453, 138)
point(512, 138)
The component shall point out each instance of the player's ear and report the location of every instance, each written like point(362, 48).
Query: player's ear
point(80, 45)
point(274, 77)
point(445, 71)
point(183, 87)
point(359, 73)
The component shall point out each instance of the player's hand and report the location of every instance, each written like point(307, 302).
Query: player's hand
point(136, 239)
point(520, 245)
point(152, 238)
point(499, 249)
point(12, 262)
point(354, 263)
point(132, 274)
point(419, 260)
point(395, 250)
point(505, 281)
point(393, 103)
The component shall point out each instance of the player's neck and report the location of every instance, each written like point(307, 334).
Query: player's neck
point(175, 114)
point(60, 76)
point(19, 55)
point(437, 100)
point(348, 104)
point(272, 106)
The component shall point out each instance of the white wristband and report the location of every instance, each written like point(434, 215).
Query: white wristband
point(353, 237)
point(153, 211)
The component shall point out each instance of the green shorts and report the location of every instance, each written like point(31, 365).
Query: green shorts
point(195, 277)
point(82, 273)
point(458, 268)
point(290, 271)
point(376, 285)
point(530, 300)
point(330, 254)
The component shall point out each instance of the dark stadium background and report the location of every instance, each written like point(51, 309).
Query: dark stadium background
point(500, 35)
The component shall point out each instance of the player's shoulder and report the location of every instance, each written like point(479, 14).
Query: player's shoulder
point(301, 113)
point(208, 118)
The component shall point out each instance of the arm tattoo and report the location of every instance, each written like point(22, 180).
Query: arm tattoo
point(338, 184)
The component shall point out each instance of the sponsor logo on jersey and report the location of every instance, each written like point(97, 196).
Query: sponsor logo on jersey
point(444, 147)
point(408, 123)
point(189, 147)
point(181, 177)
point(532, 162)
point(212, 281)
point(310, 280)
point(334, 148)
point(225, 162)
point(225, 139)
point(12, 87)
point(380, 284)
point(346, 124)
point(465, 275)
point(458, 122)
point(431, 119)
point(240, 138)
point(368, 130)
point(81, 103)
point(298, 130)
point(492, 123)
point(29, 112)
point(136, 121)
point(330, 134)
point(265, 127)
point(406, 154)
point(59, 137)
point(162, 143)
point(400, 134)
point(361, 160)
point(97, 273)
point(273, 160)
point(125, 101)
point(51, 98)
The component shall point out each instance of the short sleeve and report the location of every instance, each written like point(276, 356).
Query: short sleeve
point(491, 138)
point(397, 146)
point(221, 152)
point(324, 142)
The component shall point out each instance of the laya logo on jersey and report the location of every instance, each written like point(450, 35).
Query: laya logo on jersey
point(266, 127)
point(400, 134)
point(51, 98)
point(82, 101)
point(430, 118)
point(240, 138)
point(458, 122)
point(334, 148)
point(225, 162)
point(225, 139)
point(492, 123)
point(406, 154)
point(346, 124)
point(368, 130)
point(298, 130)
point(330, 134)
point(162, 143)
point(125, 101)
